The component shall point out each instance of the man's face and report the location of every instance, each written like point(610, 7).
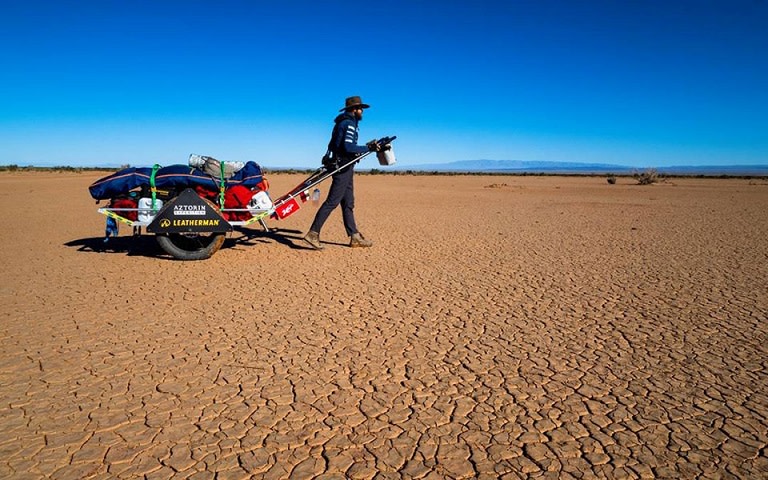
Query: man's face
point(358, 113)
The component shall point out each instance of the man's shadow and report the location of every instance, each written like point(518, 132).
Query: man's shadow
point(290, 238)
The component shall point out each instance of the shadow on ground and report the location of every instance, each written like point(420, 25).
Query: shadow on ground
point(139, 245)
point(248, 237)
point(147, 246)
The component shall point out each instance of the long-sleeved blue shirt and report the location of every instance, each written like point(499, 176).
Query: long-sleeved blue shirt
point(344, 139)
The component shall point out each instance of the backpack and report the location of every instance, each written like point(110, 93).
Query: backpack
point(332, 157)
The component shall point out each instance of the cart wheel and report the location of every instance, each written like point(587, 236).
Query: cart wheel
point(191, 246)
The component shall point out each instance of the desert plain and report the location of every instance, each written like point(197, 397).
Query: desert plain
point(500, 327)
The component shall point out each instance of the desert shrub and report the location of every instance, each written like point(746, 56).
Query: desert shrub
point(646, 177)
point(66, 168)
point(611, 180)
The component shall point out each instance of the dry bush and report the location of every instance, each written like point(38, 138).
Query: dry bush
point(648, 177)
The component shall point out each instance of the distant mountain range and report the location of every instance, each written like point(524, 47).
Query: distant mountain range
point(531, 167)
point(523, 166)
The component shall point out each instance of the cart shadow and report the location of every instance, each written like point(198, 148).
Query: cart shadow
point(143, 246)
point(147, 246)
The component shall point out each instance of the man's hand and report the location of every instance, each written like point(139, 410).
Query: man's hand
point(373, 146)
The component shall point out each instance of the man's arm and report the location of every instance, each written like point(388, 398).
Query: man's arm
point(349, 138)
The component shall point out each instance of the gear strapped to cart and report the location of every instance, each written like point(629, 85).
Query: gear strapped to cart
point(191, 208)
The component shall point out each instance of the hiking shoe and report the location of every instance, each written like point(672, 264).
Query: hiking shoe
point(313, 239)
point(357, 240)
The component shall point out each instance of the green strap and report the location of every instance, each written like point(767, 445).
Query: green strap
point(221, 186)
point(152, 187)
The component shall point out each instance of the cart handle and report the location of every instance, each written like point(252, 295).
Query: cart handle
point(386, 140)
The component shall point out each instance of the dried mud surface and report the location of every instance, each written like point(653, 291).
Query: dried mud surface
point(500, 327)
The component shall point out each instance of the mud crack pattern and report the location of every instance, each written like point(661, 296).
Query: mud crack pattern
point(558, 328)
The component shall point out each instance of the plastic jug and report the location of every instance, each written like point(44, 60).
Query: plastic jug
point(145, 207)
point(386, 157)
point(260, 201)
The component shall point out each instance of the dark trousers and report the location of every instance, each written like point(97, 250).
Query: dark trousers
point(342, 193)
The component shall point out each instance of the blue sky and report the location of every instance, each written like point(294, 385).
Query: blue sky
point(627, 82)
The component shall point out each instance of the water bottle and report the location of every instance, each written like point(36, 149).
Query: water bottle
point(316, 196)
point(111, 229)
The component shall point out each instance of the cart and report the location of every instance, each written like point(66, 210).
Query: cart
point(189, 225)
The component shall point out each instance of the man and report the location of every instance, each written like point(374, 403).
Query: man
point(344, 148)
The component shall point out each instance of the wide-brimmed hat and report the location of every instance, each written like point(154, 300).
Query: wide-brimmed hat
point(354, 102)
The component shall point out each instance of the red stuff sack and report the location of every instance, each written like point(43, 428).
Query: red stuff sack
point(125, 202)
point(237, 196)
point(207, 193)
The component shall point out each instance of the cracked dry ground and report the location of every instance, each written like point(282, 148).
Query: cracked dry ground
point(500, 327)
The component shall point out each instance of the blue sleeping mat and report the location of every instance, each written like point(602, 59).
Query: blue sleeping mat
point(173, 176)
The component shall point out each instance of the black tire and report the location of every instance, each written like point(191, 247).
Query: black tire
point(190, 246)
